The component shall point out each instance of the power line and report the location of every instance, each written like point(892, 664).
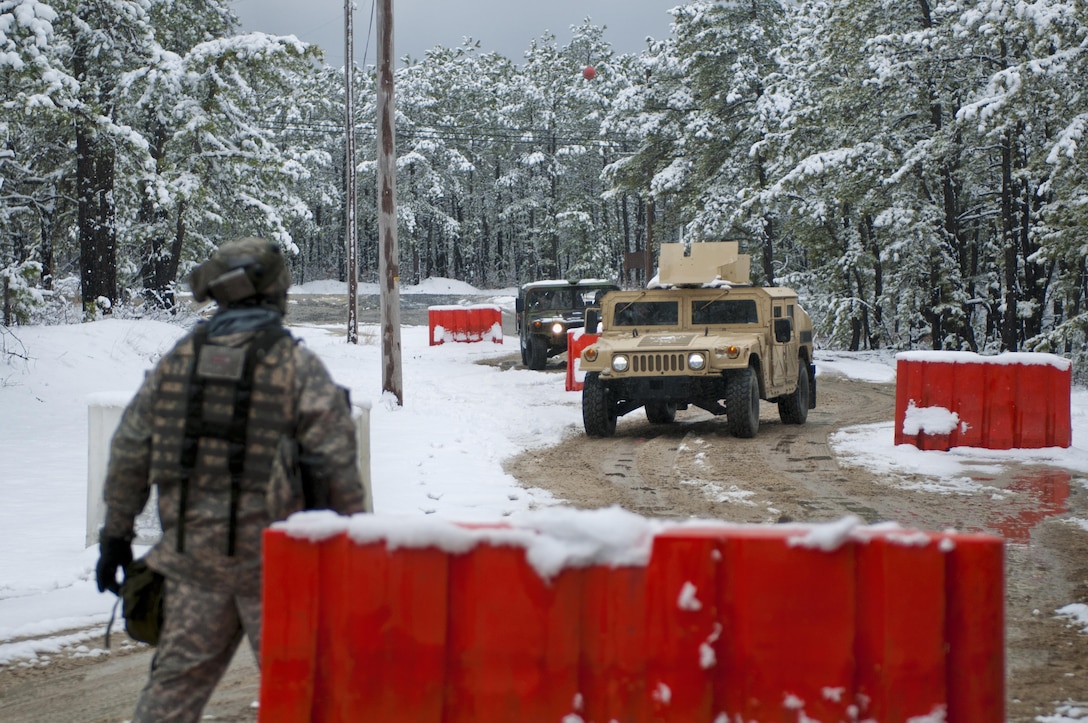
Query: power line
point(461, 134)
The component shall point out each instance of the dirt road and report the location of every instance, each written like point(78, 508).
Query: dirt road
point(694, 468)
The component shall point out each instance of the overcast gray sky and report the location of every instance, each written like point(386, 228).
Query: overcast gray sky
point(501, 26)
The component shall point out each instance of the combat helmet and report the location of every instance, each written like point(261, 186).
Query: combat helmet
point(243, 272)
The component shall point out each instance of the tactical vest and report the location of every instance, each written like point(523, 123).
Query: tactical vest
point(220, 404)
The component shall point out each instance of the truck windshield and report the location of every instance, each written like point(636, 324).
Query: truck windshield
point(724, 311)
point(557, 298)
point(647, 313)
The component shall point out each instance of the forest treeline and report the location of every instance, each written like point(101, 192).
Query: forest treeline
point(915, 169)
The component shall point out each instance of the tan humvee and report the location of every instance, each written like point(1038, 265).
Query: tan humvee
point(701, 336)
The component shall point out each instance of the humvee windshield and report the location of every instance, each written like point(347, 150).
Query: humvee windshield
point(647, 313)
point(724, 311)
point(557, 298)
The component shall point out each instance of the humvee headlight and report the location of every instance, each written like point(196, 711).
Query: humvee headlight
point(619, 363)
point(732, 351)
point(590, 354)
point(558, 329)
point(538, 325)
point(696, 361)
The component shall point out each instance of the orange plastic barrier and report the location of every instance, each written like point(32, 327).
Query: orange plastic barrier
point(952, 399)
point(974, 628)
point(901, 665)
point(790, 616)
point(289, 651)
point(478, 322)
point(383, 605)
point(612, 661)
point(512, 648)
point(683, 627)
point(739, 622)
point(576, 342)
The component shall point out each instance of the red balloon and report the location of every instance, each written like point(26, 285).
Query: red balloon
point(589, 72)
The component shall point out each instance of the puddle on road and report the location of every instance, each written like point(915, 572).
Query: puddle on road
point(1046, 493)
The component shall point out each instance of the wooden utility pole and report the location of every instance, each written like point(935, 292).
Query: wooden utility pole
point(388, 265)
point(349, 176)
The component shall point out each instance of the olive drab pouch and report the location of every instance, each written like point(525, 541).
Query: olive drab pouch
point(293, 484)
point(283, 496)
point(142, 595)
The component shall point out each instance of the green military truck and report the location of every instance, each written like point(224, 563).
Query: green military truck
point(699, 336)
point(546, 310)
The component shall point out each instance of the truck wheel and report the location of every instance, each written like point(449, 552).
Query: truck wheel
point(742, 403)
point(598, 416)
point(661, 412)
point(538, 353)
point(793, 408)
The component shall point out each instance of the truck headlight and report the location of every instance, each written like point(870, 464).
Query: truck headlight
point(696, 361)
point(590, 354)
point(732, 351)
point(558, 329)
point(619, 363)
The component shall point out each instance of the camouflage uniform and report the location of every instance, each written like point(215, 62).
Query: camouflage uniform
point(298, 426)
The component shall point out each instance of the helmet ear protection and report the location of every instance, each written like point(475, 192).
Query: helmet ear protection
point(243, 269)
point(235, 284)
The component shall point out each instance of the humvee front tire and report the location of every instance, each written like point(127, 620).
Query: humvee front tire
point(538, 353)
point(660, 412)
point(742, 403)
point(598, 417)
point(793, 408)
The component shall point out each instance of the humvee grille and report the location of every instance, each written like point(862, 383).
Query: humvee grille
point(658, 362)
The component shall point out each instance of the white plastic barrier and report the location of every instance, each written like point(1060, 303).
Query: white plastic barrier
point(360, 413)
point(104, 414)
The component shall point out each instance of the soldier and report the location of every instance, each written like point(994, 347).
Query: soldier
point(237, 426)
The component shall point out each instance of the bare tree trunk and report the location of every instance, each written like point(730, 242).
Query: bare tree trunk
point(95, 164)
point(458, 260)
point(648, 259)
point(1037, 276)
point(878, 285)
point(106, 227)
point(1008, 238)
point(48, 257)
point(161, 258)
point(769, 231)
point(85, 217)
point(97, 240)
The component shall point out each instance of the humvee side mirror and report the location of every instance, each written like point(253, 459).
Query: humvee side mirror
point(592, 318)
point(783, 330)
point(519, 305)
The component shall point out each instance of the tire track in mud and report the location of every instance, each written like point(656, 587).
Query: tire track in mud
point(695, 468)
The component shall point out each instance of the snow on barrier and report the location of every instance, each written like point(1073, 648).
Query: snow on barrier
point(946, 399)
point(477, 322)
point(577, 340)
point(575, 615)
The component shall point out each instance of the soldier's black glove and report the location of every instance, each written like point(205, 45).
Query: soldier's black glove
point(113, 553)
